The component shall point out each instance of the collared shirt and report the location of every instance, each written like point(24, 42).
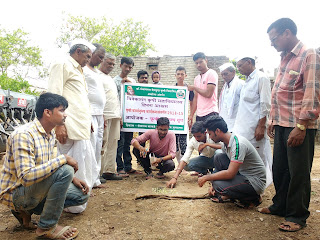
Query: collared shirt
point(255, 100)
point(229, 101)
point(118, 81)
point(160, 147)
point(96, 93)
point(205, 105)
point(240, 150)
point(193, 144)
point(295, 94)
point(112, 106)
point(29, 159)
point(67, 79)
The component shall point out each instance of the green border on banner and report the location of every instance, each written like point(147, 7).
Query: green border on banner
point(151, 126)
point(165, 92)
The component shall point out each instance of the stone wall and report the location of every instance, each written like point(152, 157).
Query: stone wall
point(167, 66)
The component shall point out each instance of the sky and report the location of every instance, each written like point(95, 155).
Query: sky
point(229, 28)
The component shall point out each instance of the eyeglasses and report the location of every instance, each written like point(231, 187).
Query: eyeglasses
point(275, 38)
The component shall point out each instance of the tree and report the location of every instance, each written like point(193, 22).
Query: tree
point(234, 62)
point(129, 38)
point(17, 58)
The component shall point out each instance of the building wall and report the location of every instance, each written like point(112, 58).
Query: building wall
point(167, 66)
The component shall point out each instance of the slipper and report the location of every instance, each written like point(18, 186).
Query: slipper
point(248, 204)
point(50, 234)
point(264, 210)
point(123, 174)
point(194, 174)
point(31, 226)
point(290, 226)
point(134, 171)
point(149, 176)
point(159, 175)
point(218, 199)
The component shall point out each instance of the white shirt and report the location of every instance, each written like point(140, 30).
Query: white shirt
point(66, 78)
point(229, 101)
point(96, 94)
point(118, 80)
point(194, 144)
point(112, 106)
point(255, 101)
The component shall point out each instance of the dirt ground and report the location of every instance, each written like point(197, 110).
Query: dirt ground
point(113, 213)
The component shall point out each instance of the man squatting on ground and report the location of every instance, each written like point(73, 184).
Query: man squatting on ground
point(239, 171)
point(34, 179)
point(162, 145)
point(206, 147)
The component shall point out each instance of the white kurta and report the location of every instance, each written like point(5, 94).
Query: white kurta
point(97, 101)
point(229, 101)
point(255, 102)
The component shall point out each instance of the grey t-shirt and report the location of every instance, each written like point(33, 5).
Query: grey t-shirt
point(242, 151)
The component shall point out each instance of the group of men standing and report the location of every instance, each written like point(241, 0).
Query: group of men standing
point(82, 108)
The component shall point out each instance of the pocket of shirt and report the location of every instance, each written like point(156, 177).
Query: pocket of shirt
point(251, 96)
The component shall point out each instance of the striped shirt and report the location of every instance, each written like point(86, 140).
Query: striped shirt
point(296, 91)
point(29, 159)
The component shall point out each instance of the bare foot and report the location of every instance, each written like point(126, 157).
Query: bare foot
point(57, 232)
point(264, 210)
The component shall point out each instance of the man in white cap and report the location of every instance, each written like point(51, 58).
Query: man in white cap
point(66, 78)
point(230, 94)
point(254, 108)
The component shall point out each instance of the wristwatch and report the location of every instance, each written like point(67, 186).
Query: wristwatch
point(301, 127)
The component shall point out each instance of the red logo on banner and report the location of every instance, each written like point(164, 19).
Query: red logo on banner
point(22, 102)
point(1, 99)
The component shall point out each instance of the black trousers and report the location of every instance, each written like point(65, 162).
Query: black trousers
point(165, 166)
point(291, 176)
point(206, 116)
point(237, 188)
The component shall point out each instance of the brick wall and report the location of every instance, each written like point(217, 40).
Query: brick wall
point(167, 66)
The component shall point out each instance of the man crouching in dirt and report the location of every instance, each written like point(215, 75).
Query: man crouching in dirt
point(162, 146)
point(240, 174)
point(34, 180)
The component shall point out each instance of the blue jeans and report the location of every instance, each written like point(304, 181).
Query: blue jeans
point(124, 149)
point(200, 164)
point(49, 197)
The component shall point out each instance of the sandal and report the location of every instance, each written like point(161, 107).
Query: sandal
point(18, 215)
point(218, 199)
point(123, 174)
point(133, 171)
point(159, 175)
point(264, 210)
point(290, 226)
point(50, 234)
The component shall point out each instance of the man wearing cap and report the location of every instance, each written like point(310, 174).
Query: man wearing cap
point(293, 124)
point(205, 90)
point(254, 107)
point(230, 94)
point(66, 78)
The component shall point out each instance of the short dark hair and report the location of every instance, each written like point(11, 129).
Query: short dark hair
point(49, 101)
point(282, 24)
point(180, 68)
point(127, 60)
point(83, 48)
point(214, 122)
point(198, 127)
point(99, 47)
point(199, 55)
point(163, 121)
point(253, 62)
point(142, 72)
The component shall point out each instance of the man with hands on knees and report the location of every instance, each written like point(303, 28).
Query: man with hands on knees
point(162, 145)
point(34, 180)
point(239, 171)
point(206, 148)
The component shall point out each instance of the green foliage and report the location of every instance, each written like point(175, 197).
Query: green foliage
point(16, 52)
point(129, 38)
point(234, 62)
point(16, 85)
